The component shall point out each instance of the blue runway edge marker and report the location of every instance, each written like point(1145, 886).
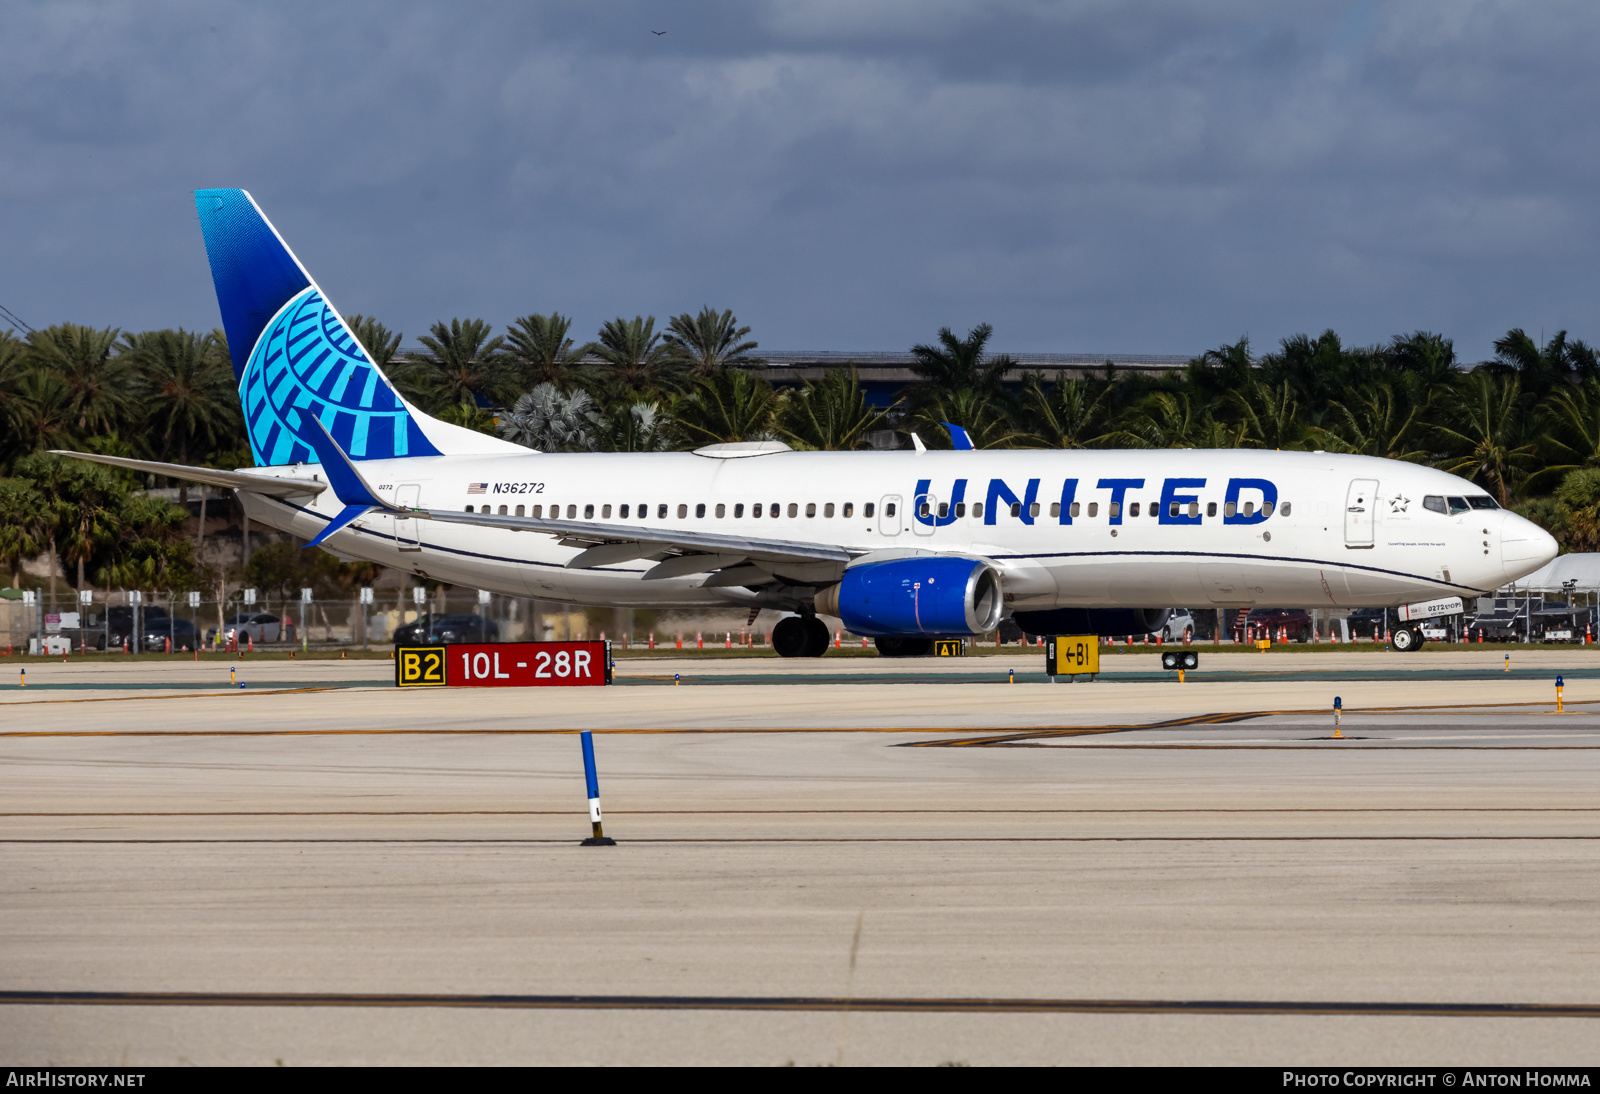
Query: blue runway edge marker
point(599, 839)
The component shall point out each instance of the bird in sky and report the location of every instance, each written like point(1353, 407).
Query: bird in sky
point(658, 33)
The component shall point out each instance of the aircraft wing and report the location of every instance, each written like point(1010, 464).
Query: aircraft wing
point(678, 550)
point(271, 485)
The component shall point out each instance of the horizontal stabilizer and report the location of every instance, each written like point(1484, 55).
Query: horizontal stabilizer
point(274, 486)
point(346, 515)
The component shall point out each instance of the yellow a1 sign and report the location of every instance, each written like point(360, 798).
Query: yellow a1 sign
point(1072, 655)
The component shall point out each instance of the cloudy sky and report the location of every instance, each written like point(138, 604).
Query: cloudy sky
point(1108, 176)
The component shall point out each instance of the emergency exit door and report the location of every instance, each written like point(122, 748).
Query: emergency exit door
point(1360, 512)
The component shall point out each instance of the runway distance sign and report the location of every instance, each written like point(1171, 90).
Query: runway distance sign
point(1072, 655)
point(505, 665)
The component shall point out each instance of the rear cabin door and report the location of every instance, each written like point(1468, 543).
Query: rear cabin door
point(408, 495)
point(1360, 509)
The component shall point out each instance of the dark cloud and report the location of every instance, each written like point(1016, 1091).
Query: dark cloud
point(1115, 176)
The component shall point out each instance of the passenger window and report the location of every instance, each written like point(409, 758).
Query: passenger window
point(1228, 509)
point(1194, 510)
point(866, 510)
point(1211, 508)
point(1266, 510)
point(622, 512)
point(1458, 505)
point(644, 512)
point(1434, 503)
point(1074, 509)
point(1033, 510)
point(502, 510)
point(1172, 509)
point(519, 510)
point(755, 510)
point(944, 509)
point(772, 511)
point(922, 510)
point(1016, 508)
point(538, 511)
point(849, 508)
point(738, 511)
point(1249, 508)
point(827, 510)
point(961, 508)
point(683, 511)
point(588, 512)
point(661, 512)
point(700, 510)
point(888, 510)
point(722, 510)
point(469, 509)
point(811, 508)
point(1133, 508)
point(977, 510)
point(794, 509)
point(1094, 509)
point(1115, 509)
point(605, 512)
point(1055, 509)
point(1284, 509)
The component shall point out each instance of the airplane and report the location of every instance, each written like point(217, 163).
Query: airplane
point(901, 546)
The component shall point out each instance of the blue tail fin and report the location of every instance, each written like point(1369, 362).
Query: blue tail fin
point(294, 357)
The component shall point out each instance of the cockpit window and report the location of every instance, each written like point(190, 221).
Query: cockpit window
point(1482, 501)
point(1433, 503)
point(1457, 505)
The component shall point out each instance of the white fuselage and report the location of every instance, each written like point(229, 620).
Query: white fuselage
point(1342, 531)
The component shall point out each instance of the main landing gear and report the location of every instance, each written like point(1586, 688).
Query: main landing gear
point(800, 636)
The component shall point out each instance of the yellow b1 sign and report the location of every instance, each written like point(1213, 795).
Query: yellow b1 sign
point(419, 668)
point(1072, 655)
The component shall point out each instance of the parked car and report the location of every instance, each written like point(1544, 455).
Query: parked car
point(437, 630)
point(1178, 627)
point(117, 624)
point(1271, 622)
point(183, 634)
point(252, 626)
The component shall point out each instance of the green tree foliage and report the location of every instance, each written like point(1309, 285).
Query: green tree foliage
point(831, 414)
point(547, 421)
point(728, 406)
point(376, 339)
point(636, 358)
point(99, 386)
point(462, 364)
point(187, 390)
point(539, 351)
point(709, 342)
point(959, 364)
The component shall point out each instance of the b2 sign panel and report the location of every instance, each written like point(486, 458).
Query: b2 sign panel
point(528, 665)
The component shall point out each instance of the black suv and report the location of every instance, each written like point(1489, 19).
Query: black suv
point(1271, 622)
point(438, 630)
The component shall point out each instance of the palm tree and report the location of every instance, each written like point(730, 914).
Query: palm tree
point(541, 353)
point(636, 356)
point(375, 338)
point(14, 373)
point(41, 413)
point(1540, 368)
point(1377, 423)
point(99, 385)
point(1268, 414)
point(187, 391)
point(22, 514)
point(1493, 438)
point(1069, 414)
point(1172, 419)
point(632, 427)
point(709, 342)
point(547, 421)
point(727, 406)
point(957, 364)
point(831, 414)
point(462, 364)
point(984, 414)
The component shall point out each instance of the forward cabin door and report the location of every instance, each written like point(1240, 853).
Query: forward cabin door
point(408, 495)
point(1360, 509)
point(926, 517)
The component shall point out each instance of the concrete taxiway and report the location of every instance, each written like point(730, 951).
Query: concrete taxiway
point(848, 867)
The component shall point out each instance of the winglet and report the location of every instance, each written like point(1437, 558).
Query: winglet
point(348, 485)
point(958, 437)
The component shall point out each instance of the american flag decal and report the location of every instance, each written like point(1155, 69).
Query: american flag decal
point(477, 487)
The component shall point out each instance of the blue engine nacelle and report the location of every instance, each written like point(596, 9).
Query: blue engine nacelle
point(920, 595)
point(1100, 621)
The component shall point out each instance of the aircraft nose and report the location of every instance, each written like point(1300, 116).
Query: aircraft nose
point(1525, 546)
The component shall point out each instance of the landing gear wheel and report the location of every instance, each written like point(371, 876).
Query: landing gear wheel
point(790, 638)
point(1405, 639)
point(816, 637)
